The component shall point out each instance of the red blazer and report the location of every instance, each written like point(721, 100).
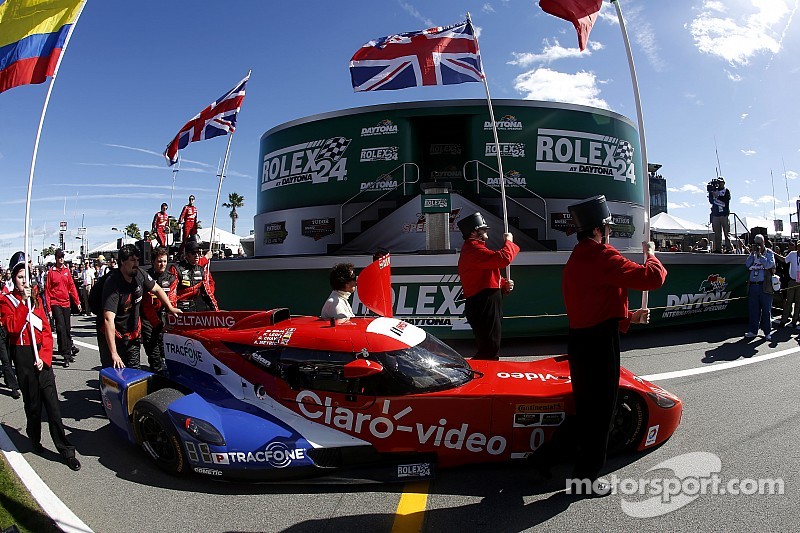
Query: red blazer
point(596, 280)
point(14, 316)
point(479, 267)
point(59, 288)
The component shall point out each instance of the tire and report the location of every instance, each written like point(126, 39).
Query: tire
point(628, 423)
point(156, 434)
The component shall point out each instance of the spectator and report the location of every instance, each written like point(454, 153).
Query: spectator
point(791, 296)
point(61, 292)
point(739, 248)
point(343, 282)
point(720, 198)
point(101, 267)
point(34, 364)
point(118, 330)
point(702, 246)
point(760, 263)
point(87, 277)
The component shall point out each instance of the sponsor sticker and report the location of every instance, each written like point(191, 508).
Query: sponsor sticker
point(381, 153)
point(445, 149)
point(711, 296)
point(188, 350)
point(276, 454)
point(311, 162)
point(207, 471)
point(545, 407)
point(578, 152)
point(538, 419)
point(506, 149)
point(318, 228)
point(652, 434)
point(275, 232)
point(506, 123)
point(414, 470)
point(384, 127)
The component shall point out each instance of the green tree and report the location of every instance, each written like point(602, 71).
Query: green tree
point(234, 201)
point(50, 250)
point(132, 230)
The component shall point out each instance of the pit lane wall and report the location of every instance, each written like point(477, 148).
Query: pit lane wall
point(427, 290)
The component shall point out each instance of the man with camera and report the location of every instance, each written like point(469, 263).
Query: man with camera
point(760, 262)
point(720, 198)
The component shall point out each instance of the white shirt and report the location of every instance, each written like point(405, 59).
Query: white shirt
point(88, 277)
point(793, 260)
point(337, 306)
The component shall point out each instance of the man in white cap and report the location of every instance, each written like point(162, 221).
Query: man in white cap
point(595, 284)
point(760, 262)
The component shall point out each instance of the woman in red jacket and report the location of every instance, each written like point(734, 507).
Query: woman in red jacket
point(34, 371)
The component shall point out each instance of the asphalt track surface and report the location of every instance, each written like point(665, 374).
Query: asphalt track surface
point(745, 414)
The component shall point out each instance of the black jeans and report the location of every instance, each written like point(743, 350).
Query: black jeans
point(129, 350)
point(593, 355)
point(484, 313)
point(61, 316)
point(152, 339)
point(39, 390)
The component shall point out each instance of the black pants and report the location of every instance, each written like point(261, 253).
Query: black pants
point(152, 339)
point(129, 350)
point(593, 355)
point(39, 390)
point(5, 360)
point(61, 316)
point(484, 313)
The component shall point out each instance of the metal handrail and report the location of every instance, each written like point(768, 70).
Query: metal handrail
point(383, 176)
point(746, 229)
point(523, 206)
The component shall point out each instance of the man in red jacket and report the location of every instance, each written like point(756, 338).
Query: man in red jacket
point(59, 290)
point(188, 221)
point(595, 286)
point(483, 286)
point(161, 225)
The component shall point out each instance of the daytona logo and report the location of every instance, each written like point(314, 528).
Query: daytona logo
point(384, 127)
point(382, 427)
point(579, 152)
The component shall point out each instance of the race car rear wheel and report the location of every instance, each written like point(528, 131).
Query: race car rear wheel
point(628, 423)
point(155, 432)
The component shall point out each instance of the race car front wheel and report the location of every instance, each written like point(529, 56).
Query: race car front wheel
point(628, 423)
point(156, 434)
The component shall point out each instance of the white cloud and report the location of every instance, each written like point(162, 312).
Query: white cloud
point(748, 152)
point(694, 189)
point(487, 8)
point(545, 84)
point(767, 199)
point(791, 174)
point(744, 116)
point(682, 205)
point(550, 53)
point(732, 76)
point(411, 10)
point(644, 35)
point(737, 41)
point(746, 200)
point(693, 98)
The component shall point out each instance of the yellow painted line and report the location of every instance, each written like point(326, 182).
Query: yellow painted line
point(411, 508)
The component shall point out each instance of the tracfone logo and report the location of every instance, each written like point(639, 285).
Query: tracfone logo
point(579, 152)
point(384, 127)
point(312, 162)
point(188, 351)
point(276, 454)
point(381, 153)
point(694, 474)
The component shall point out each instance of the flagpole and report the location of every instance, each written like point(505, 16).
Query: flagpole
point(33, 167)
point(219, 189)
point(174, 176)
point(496, 142)
point(642, 145)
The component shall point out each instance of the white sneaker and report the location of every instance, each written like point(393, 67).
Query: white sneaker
point(768, 337)
point(749, 335)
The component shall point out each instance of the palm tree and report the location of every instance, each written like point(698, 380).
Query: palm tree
point(234, 201)
point(132, 230)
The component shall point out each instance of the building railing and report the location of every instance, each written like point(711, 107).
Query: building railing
point(478, 181)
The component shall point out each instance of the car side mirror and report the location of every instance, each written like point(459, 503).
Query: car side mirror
point(361, 368)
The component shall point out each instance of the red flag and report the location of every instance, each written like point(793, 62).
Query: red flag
point(375, 286)
point(582, 14)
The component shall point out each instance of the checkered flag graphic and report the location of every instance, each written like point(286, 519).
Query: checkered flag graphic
point(624, 151)
point(333, 148)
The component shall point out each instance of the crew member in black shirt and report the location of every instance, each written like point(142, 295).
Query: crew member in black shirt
point(194, 284)
point(153, 312)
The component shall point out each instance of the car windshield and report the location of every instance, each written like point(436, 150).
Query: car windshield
point(429, 366)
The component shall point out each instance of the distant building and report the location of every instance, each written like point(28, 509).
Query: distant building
point(658, 190)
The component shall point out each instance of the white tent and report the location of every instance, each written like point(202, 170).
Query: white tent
point(669, 224)
point(226, 238)
point(111, 246)
point(758, 222)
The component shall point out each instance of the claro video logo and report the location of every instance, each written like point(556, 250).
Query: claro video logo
point(578, 152)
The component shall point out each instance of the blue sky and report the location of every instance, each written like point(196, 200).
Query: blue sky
point(723, 71)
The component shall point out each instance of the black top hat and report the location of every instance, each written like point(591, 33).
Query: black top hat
point(590, 213)
point(469, 224)
point(17, 260)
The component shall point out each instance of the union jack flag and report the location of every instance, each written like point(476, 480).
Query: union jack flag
point(217, 119)
point(436, 56)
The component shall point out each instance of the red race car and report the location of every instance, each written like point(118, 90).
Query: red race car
point(263, 395)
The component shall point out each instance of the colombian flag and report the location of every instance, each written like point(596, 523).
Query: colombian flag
point(32, 35)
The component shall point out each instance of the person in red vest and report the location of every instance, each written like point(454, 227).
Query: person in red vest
point(161, 225)
point(188, 221)
point(60, 290)
point(595, 284)
point(34, 366)
point(483, 285)
point(193, 282)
